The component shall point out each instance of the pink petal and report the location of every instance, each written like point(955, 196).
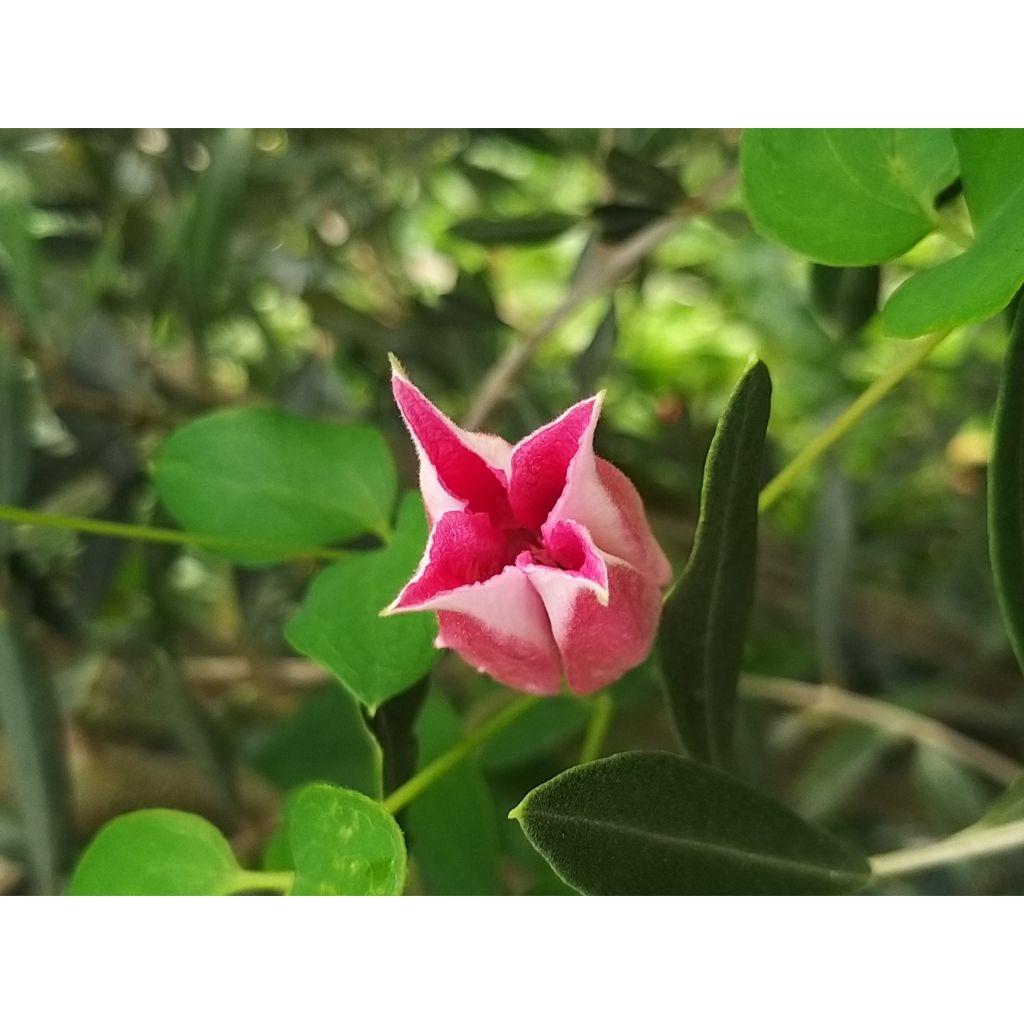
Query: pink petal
point(540, 462)
point(598, 641)
point(487, 610)
point(464, 548)
point(458, 469)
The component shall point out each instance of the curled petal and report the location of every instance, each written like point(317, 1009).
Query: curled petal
point(598, 640)
point(459, 470)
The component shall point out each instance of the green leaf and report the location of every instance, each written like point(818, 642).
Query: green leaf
point(992, 168)
point(951, 796)
point(704, 624)
point(393, 725)
point(344, 844)
point(1007, 807)
point(592, 363)
point(981, 281)
point(19, 255)
point(268, 477)
point(845, 196)
point(453, 825)
point(642, 182)
point(647, 824)
point(34, 737)
point(534, 229)
point(156, 853)
point(339, 624)
point(1006, 490)
point(845, 298)
point(14, 425)
point(324, 740)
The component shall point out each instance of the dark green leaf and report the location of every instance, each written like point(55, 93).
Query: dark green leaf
point(837, 769)
point(992, 168)
point(344, 844)
point(982, 280)
point(639, 181)
point(592, 363)
point(548, 725)
point(340, 626)
point(845, 196)
point(394, 726)
point(1007, 807)
point(325, 740)
point(34, 737)
point(14, 437)
point(268, 477)
point(845, 298)
point(645, 823)
point(19, 257)
point(618, 221)
point(453, 824)
point(1006, 490)
point(528, 230)
point(156, 853)
point(704, 624)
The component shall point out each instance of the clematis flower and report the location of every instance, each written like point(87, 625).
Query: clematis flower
point(540, 562)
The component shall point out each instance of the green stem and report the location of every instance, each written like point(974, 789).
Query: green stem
point(597, 729)
point(158, 534)
point(861, 405)
point(427, 776)
point(963, 846)
point(261, 881)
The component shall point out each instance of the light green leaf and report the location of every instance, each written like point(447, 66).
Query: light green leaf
point(268, 477)
point(339, 624)
point(1006, 490)
point(647, 824)
point(156, 853)
point(344, 844)
point(704, 624)
point(981, 281)
point(845, 196)
point(453, 825)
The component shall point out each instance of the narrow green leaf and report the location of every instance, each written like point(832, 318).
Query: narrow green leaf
point(1007, 807)
point(453, 825)
point(324, 740)
point(1006, 490)
point(529, 230)
point(35, 743)
point(344, 844)
point(266, 476)
point(648, 824)
point(704, 624)
point(339, 624)
point(19, 254)
point(845, 196)
point(393, 724)
point(14, 437)
point(845, 298)
point(642, 182)
point(156, 853)
point(992, 168)
point(592, 363)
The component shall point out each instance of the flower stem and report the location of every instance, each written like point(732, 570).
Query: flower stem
point(850, 416)
point(427, 776)
point(601, 710)
point(159, 534)
point(973, 842)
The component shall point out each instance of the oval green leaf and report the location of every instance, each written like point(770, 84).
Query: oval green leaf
point(339, 624)
point(276, 481)
point(344, 844)
point(992, 168)
point(647, 824)
point(704, 624)
point(981, 281)
point(156, 853)
point(845, 196)
point(1006, 490)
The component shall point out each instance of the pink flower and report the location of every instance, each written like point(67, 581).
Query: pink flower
point(540, 561)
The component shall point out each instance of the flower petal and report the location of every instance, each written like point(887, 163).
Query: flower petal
point(540, 462)
point(458, 469)
point(487, 610)
point(598, 641)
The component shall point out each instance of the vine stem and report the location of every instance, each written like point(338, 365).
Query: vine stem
point(601, 710)
point(862, 404)
point(498, 381)
point(834, 702)
point(159, 534)
point(427, 776)
point(973, 842)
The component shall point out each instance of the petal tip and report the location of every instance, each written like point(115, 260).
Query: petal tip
point(397, 369)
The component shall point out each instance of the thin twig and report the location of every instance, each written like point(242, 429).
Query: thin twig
point(496, 385)
point(964, 845)
point(852, 707)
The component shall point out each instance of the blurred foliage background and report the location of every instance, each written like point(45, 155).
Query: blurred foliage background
point(148, 277)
